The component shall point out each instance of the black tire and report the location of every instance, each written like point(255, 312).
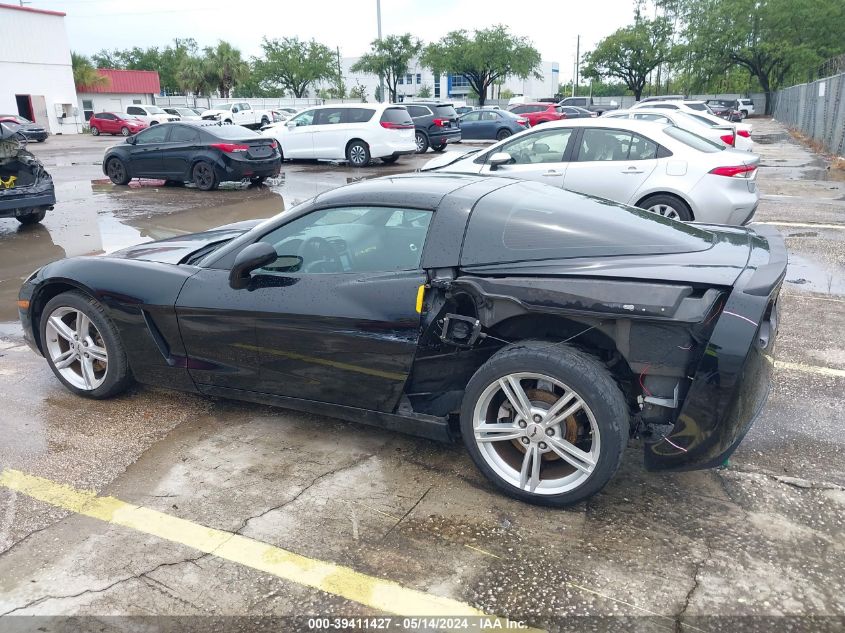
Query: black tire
point(743, 114)
point(439, 148)
point(204, 176)
point(580, 372)
point(117, 172)
point(95, 131)
point(174, 183)
point(389, 160)
point(501, 135)
point(265, 120)
point(33, 217)
point(422, 142)
point(118, 376)
point(664, 203)
point(152, 123)
point(42, 140)
point(125, 131)
point(358, 154)
point(257, 181)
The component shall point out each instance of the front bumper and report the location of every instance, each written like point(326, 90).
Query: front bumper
point(731, 383)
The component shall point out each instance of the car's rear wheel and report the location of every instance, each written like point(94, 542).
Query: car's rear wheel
point(389, 160)
point(33, 217)
point(83, 347)
point(422, 142)
point(125, 131)
point(117, 172)
point(153, 123)
point(667, 206)
point(439, 148)
point(95, 131)
point(545, 423)
point(204, 176)
point(258, 180)
point(501, 135)
point(358, 154)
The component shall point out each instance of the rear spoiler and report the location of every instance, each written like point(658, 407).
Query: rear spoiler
point(768, 276)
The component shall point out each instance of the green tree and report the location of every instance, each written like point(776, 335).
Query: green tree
point(389, 58)
point(486, 57)
point(293, 64)
point(85, 75)
point(358, 92)
point(424, 92)
point(195, 76)
point(629, 54)
point(775, 41)
point(166, 61)
point(226, 65)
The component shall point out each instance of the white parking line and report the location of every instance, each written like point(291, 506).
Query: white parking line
point(804, 225)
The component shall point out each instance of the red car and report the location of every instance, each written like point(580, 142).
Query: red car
point(537, 113)
point(115, 123)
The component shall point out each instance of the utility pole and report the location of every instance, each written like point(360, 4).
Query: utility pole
point(381, 77)
point(577, 63)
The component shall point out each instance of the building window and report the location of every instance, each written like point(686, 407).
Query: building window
point(137, 101)
point(419, 78)
point(401, 80)
point(409, 78)
point(458, 81)
point(436, 85)
point(88, 108)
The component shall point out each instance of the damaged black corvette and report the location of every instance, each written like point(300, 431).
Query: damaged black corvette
point(541, 326)
point(26, 189)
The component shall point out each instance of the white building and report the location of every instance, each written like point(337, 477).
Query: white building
point(122, 88)
point(453, 87)
point(36, 77)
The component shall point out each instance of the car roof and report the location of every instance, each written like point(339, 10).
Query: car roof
point(632, 124)
point(345, 106)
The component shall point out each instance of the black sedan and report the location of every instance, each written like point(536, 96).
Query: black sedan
point(31, 131)
point(203, 153)
point(542, 326)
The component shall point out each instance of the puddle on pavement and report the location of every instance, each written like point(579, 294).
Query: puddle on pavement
point(771, 139)
point(807, 275)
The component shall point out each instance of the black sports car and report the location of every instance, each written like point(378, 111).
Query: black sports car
point(542, 326)
point(202, 152)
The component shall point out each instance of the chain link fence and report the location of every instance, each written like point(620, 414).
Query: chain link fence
point(816, 110)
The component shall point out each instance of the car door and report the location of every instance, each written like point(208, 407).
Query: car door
point(611, 163)
point(105, 122)
point(488, 125)
point(329, 133)
point(470, 125)
point(342, 326)
point(147, 151)
point(138, 112)
point(181, 145)
point(245, 114)
point(297, 140)
point(542, 156)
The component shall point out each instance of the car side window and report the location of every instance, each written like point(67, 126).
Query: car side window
point(328, 116)
point(106, 116)
point(604, 145)
point(155, 134)
point(304, 118)
point(471, 117)
point(246, 106)
point(183, 134)
point(548, 146)
point(134, 110)
point(649, 116)
point(642, 148)
point(489, 115)
point(352, 240)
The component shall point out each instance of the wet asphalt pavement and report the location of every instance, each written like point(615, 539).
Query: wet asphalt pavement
point(763, 539)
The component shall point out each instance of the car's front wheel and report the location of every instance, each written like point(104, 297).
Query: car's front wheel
point(117, 172)
point(95, 131)
point(34, 216)
point(667, 206)
point(83, 347)
point(204, 176)
point(545, 423)
point(358, 154)
point(125, 131)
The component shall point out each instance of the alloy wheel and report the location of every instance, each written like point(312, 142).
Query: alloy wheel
point(665, 210)
point(116, 170)
point(357, 155)
point(76, 348)
point(421, 145)
point(203, 176)
point(536, 433)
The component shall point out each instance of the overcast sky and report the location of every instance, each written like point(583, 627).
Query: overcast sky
point(350, 24)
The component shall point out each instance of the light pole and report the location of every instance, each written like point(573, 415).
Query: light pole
point(380, 77)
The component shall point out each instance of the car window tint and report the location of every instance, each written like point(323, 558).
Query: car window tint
point(328, 116)
point(445, 111)
point(532, 221)
point(106, 116)
point(489, 115)
point(650, 116)
point(701, 107)
point(417, 111)
point(304, 118)
point(359, 115)
point(353, 240)
point(519, 110)
point(155, 134)
point(543, 147)
point(184, 134)
point(693, 140)
point(469, 117)
point(134, 110)
point(604, 145)
point(642, 148)
point(398, 115)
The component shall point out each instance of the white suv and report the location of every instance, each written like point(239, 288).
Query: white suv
point(354, 132)
point(746, 106)
point(150, 114)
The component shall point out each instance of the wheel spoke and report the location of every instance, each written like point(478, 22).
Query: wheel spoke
point(497, 432)
point(61, 328)
point(65, 360)
point(82, 325)
point(552, 417)
point(87, 372)
point(516, 396)
point(529, 475)
point(582, 460)
point(98, 353)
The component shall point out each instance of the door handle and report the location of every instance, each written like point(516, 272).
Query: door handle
point(632, 170)
point(551, 172)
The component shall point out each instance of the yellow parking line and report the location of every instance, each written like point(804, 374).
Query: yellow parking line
point(810, 369)
point(804, 225)
point(382, 595)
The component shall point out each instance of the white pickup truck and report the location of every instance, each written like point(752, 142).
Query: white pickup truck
point(240, 113)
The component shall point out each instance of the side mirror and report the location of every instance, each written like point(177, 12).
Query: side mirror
point(131, 140)
point(253, 256)
point(499, 158)
point(291, 124)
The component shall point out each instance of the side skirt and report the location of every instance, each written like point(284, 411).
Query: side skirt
point(427, 426)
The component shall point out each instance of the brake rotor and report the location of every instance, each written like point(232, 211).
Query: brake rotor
point(570, 424)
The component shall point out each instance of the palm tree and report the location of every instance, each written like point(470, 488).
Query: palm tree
point(84, 73)
point(227, 66)
point(194, 76)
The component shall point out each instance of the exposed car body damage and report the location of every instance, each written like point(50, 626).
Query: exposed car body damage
point(26, 188)
point(683, 317)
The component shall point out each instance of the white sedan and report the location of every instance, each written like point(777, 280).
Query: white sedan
point(661, 168)
point(697, 109)
point(722, 132)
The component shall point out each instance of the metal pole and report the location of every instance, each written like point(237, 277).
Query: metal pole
point(381, 77)
point(577, 64)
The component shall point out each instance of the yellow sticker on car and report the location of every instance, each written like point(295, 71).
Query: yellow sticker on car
point(420, 295)
point(10, 183)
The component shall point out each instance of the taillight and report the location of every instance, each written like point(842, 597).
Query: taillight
point(396, 126)
point(274, 145)
point(230, 147)
point(738, 171)
point(744, 133)
point(439, 122)
point(522, 121)
point(727, 139)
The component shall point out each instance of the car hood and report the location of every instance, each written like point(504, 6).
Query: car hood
point(175, 250)
point(212, 113)
point(455, 159)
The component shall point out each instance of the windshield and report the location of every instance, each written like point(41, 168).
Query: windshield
point(693, 140)
point(446, 111)
point(186, 112)
point(155, 110)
